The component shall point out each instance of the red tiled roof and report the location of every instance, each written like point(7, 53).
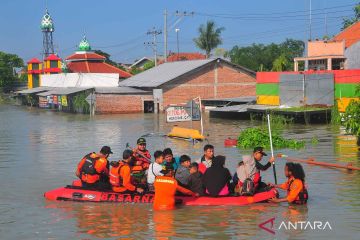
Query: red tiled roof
point(185, 56)
point(96, 67)
point(82, 56)
point(52, 57)
point(34, 60)
point(350, 34)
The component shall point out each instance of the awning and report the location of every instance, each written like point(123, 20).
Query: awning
point(119, 90)
point(34, 90)
point(63, 91)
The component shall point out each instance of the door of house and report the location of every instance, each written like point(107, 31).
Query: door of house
point(148, 106)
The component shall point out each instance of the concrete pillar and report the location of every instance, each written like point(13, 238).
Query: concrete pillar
point(329, 64)
point(306, 65)
point(215, 79)
point(296, 66)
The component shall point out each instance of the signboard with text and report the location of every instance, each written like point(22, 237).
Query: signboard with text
point(189, 112)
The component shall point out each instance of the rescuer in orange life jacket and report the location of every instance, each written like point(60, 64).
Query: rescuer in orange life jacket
point(93, 169)
point(165, 189)
point(295, 185)
point(141, 162)
point(120, 177)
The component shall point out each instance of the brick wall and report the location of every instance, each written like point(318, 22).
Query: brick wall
point(116, 103)
point(222, 81)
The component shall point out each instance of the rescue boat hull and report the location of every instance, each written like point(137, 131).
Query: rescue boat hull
point(73, 193)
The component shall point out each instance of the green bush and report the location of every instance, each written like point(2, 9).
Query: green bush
point(252, 137)
point(351, 118)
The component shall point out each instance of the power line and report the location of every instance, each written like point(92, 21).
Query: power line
point(153, 44)
point(279, 13)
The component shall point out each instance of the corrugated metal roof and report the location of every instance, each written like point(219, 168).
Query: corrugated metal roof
point(119, 90)
point(63, 91)
point(163, 73)
point(34, 90)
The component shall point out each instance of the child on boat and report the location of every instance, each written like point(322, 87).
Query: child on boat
point(155, 169)
point(169, 158)
point(182, 174)
point(195, 183)
point(295, 185)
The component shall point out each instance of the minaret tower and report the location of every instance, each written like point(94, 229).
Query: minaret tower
point(47, 27)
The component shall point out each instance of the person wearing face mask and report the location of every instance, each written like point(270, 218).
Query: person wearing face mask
point(93, 169)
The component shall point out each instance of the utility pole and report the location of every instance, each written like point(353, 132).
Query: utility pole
point(177, 42)
point(180, 16)
point(165, 35)
point(310, 20)
point(153, 44)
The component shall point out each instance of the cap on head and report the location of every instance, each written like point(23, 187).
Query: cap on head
point(141, 141)
point(260, 150)
point(106, 150)
point(127, 153)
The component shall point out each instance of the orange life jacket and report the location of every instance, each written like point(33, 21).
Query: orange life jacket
point(142, 161)
point(165, 189)
point(114, 176)
point(88, 167)
point(303, 194)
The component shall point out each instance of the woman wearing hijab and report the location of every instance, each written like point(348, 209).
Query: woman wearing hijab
point(217, 178)
point(246, 169)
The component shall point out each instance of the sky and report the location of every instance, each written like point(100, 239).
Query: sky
point(119, 27)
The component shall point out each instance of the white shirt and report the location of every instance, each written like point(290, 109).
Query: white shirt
point(154, 168)
point(207, 163)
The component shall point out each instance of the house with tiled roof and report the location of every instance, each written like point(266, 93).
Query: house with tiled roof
point(340, 52)
point(86, 61)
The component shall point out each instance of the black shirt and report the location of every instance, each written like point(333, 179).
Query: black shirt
point(261, 167)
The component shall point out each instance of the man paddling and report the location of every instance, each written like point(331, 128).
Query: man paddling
point(258, 154)
point(93, 169)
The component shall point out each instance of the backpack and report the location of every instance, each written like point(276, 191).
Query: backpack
point(248, 187)
point(89, 165)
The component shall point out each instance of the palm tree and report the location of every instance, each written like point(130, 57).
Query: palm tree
point(209, 37)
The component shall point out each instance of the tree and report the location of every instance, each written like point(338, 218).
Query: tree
point(148, 65)
point(280, 64)
point(260, 57)
point(8, 62)
point(351, 117)
point(209, 37)
point(220, 52)
point(349, 21)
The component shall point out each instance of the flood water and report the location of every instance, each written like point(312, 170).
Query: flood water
point(39, 151)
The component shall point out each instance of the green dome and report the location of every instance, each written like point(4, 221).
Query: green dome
point(84, 45)
point(47, 22)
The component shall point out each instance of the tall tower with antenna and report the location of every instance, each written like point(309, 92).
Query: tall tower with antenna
point(47, 28)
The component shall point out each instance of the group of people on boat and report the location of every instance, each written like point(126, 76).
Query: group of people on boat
point(168, 175)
